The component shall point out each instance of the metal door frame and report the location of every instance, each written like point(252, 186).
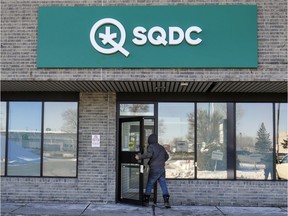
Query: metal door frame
point(130, 159)
point(141, 119)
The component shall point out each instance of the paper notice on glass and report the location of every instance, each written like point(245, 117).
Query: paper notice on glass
point(95, 140)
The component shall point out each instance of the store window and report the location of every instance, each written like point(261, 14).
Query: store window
point(3, 135)
point(212, 140)
point(281, 141)
point(176, 134)
point(254, 141)
point(60, 139)
point(255, 153)
point(24, 139)
point(42, 139)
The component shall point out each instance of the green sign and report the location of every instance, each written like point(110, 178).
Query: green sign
point(210, 36)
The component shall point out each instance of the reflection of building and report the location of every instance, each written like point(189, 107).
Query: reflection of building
point(60, 143)
point(181, 146)
point(26, 139)
point(282, 136)
point(223, 132)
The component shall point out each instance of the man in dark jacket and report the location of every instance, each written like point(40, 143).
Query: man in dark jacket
point(158, 156)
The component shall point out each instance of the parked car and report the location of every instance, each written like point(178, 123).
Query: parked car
point(282, 168)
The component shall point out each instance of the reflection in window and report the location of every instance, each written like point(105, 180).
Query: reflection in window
point(130, 135)
point(176, 134)
point(211, 140)
point(3, 135)
point(130, 181)
point(24, 138)
point(136, 109)
point(60, 139)
point(281, 141)
point(254, 146)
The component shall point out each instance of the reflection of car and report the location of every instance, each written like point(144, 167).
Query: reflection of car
point(243, 156)
point(243, 152)
point(282, 168)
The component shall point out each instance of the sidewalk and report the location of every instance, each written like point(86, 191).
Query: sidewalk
point(52, 209)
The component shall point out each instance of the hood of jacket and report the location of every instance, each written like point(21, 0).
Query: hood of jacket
point(152, 139)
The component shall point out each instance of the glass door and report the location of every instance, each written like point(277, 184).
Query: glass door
point(133, 173)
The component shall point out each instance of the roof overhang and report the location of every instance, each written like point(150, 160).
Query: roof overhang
point(147, 86)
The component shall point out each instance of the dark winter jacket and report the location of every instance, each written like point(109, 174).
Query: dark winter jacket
point(156, 152)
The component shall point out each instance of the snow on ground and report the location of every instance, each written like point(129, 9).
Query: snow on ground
point(185, 169)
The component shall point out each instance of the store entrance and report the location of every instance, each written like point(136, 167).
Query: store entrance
point(133, 173)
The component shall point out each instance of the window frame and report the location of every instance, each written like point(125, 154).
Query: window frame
point(40, 97)
point(5, 144)
point(273, 140)
point(229, 99)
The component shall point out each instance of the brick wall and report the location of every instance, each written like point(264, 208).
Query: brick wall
point(225, 192)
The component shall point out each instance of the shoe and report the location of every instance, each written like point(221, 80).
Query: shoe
point(146, 199)
point(166, 201)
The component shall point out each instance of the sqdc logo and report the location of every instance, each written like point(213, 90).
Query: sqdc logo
point(108, 37)
point(156, 36)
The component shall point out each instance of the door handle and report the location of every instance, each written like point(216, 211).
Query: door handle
point(141, 168)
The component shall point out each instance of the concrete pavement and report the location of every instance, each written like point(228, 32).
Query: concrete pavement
point(57, 209)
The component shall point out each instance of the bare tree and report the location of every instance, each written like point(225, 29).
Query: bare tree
point(69, 120)
point(191, 120)
point(139, 108)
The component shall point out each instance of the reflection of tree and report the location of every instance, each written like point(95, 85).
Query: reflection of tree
point(161, 128)
point(208, 126)
point(221, 109)
point(244, 142)
point(263, 143)
point(134, 108)
point(70, 120)
point(205, 161)
point(239, 114)
point(208, 135)
point(139, 108)
point(190, 136)
point(124, 107)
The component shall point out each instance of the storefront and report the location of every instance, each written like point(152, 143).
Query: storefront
point(83, 86)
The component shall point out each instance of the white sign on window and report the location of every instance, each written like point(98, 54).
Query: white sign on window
point(95, 140)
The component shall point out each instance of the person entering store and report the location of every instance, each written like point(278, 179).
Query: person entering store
point(158, 156)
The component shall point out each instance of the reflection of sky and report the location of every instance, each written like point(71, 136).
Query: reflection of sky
point(53, 114)
point(27, 115)
point(3, 115)
point(174, 128)
point(175, 120)
point(179, 110)
point(283, 119)
point(253, 114)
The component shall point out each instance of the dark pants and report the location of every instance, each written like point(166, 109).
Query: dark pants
point(154, 175)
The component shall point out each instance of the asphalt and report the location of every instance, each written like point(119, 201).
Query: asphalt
point(90, 209)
